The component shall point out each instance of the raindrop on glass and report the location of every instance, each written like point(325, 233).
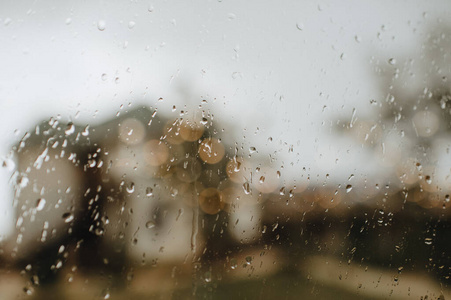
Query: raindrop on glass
point(99, 231)
point(246, 188)
point(106, 294)
point(207, 276)
point(101, 25)
point(231, 16)
point(150, 224)
point(348, 188)
point(68, 217)
point(70, 128)
point(131, 188)
point(28, 290)
point(233, 264)
point(7, 21)
point(40, 203)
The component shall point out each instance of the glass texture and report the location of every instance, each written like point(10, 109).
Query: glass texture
point(225, 149)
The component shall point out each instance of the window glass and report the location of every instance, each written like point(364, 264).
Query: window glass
point(225, 149)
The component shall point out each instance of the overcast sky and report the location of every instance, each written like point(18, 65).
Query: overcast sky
point(280, 69)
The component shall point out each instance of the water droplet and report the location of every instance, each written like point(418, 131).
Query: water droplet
point(150, 224)
point(22, 181)
point(428, 241)
point(104, 76)
point(207, 276)
point(40, 203)
point(348, 188)
point(35, 280)
point(105, 220)
point(392, 61)
point(85, 131)
point(248, 260)
point(99, 231)
point(149, 192)
point(28, 290)
point(59, 264)
point(19, 222)
point(246, 188)
point(131, 24)
point(233, 264)
point(300, 26)
point(237, 167)
point(68, 21)
point(70, 128)
point(7, 21)
point(68, 217)
point(131, 188)
point(8, 164)
point(106, 294)
point(101, 25)
point(231, 16)
point(179, 214)
point(428, 179)
point(282, 191)
point(252, 149)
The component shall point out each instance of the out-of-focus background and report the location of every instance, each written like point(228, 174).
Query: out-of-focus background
point(225, 149)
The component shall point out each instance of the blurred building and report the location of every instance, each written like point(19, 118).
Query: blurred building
point(146, 192)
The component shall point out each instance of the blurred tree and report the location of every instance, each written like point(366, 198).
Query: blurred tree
point(410, 137)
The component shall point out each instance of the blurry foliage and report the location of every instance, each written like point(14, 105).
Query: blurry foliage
point(409, 136)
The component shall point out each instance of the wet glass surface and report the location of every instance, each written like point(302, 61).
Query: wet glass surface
point(225, 149)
